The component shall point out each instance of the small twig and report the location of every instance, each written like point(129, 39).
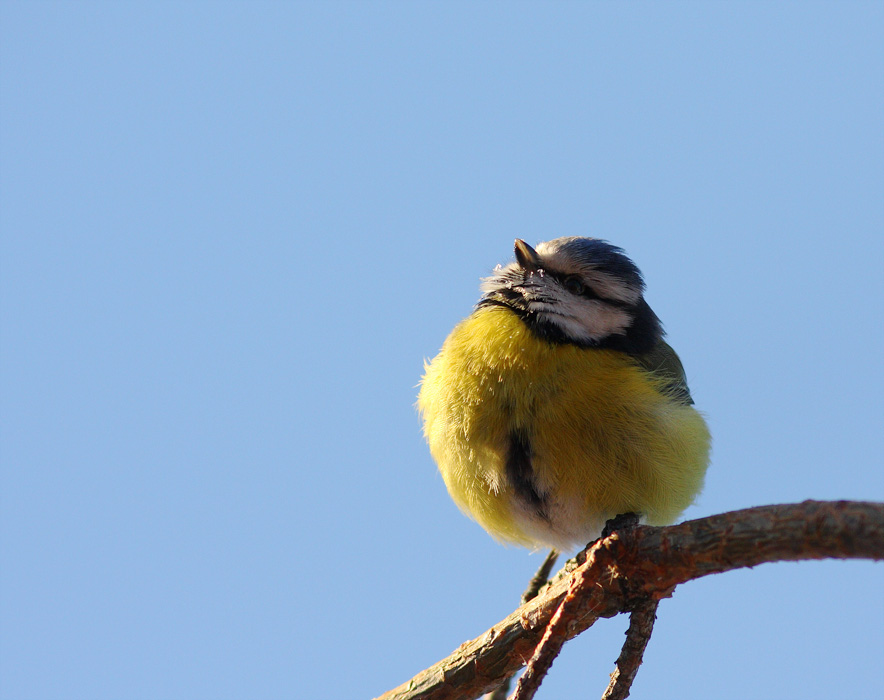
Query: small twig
point(534, 585)
point(641, 625)
point(541, 577)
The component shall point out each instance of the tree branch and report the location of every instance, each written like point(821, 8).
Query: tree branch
point(628, 568)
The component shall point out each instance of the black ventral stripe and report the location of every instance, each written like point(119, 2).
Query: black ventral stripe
point(520, 473)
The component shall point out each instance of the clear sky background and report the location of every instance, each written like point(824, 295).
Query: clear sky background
point(232, 233)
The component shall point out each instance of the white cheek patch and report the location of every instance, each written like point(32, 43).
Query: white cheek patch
point(582, 319)
point(608, 320)
point(610, 287)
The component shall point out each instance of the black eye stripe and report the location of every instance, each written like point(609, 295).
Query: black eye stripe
point(588, 292)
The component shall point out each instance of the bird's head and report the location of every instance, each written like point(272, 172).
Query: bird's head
point(583, 291)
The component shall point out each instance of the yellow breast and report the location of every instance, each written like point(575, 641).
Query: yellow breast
point(604, 439)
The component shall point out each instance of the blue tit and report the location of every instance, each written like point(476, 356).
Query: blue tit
point(557, 405)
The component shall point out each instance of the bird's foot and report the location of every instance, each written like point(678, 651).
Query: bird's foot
point(624, 521)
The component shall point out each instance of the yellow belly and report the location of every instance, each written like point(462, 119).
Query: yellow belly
point(604, 439)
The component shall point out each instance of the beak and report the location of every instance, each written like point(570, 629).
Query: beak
point(527, 257)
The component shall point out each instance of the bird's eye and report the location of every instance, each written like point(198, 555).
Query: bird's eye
point(573, 285)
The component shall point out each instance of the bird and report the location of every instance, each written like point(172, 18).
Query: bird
point(557, 406)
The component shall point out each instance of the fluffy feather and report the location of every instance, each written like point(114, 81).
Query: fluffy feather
point(606, 435)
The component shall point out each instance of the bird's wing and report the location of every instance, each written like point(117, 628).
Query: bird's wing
point(662, 362)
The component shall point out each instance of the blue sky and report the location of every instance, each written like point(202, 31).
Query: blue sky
point(232, 233)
